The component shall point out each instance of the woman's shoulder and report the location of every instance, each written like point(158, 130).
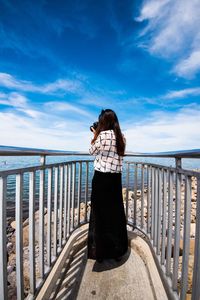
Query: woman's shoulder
point(106, 133)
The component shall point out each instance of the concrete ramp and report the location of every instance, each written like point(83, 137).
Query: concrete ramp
point(135, 277)
point(127, 279)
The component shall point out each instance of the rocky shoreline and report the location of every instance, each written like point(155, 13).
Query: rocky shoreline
point(11, 236)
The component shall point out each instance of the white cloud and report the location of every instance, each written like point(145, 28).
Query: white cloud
point(151, 9)
point(63, 85)
point(165, 132)
point(20, 103)
point(13, 99)
point(162, 131)
point(10, 82)
point(173, 31)
point(189, 66)
point(22, 131)
point(182, 93)
point(64, 106)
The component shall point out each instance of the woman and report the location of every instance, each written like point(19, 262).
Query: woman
point(107, 236)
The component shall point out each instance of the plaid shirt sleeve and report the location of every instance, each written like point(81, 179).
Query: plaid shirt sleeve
point(96, 146)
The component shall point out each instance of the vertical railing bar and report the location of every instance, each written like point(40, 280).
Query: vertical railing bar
point(79, 192)
point(32, 231)
point(196, 270)
point(127, 188)
point(73, 194)
point(41, 223)
point(19, 238)
point(65, 202)
point(3, 250)
point(177, 232)
point(164, 217)
point(186, 238)
point(152, 201)
point(148, 198)
point(49, 213)
point(55, 223)
point(155, 207)
point(69, 199)
point(61, 208)
point(135, 196)
point(86, 191)
point(159, 211)
point(142, 195)
point(169, 227)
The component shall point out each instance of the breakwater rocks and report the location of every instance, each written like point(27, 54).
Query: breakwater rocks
point(84, 215)
point(11, 246)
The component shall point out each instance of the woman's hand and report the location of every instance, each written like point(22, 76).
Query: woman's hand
point(93, 130)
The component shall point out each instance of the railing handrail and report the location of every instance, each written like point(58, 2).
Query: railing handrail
point(23, 170)
point(21, 151)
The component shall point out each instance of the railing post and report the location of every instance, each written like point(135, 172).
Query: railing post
point(3, 260)
point(127, 188)
point(43, 160)
point(19, 237)
point(196, 271)
point(178, 162)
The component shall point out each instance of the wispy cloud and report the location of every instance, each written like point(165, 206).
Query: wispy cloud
point(165, 131)
point(189, 66)
point(173, 32)
point(151, 9)
point(65, 107)
point(26, 132)
point(13, 99)
point(20, 103)
point(63, 85)
point(182, 93)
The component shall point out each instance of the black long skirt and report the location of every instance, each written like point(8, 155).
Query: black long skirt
point(107, 236)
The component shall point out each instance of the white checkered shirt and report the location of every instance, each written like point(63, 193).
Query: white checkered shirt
point(107, 159)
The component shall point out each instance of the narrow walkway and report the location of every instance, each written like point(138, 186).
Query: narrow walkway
point(127, 279)
point(135, 277)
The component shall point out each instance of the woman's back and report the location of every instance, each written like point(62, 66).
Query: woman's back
point(107, 159)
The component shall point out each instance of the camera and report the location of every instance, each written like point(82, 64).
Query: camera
point(94, 125)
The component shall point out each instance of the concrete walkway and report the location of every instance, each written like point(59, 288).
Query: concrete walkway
point(135, 277)
point(112, 280)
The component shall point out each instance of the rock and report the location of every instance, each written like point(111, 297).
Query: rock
point(190, 272)
point(192, 245)
point(9, 269)
point(9, 246)
point(130, 195)
point(13, 224)
point(192, 230)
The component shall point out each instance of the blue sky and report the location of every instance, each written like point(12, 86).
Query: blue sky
point(61, 62)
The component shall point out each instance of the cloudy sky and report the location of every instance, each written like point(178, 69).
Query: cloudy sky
point(61, 62)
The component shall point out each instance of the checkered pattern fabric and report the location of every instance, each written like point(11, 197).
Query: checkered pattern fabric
point(105, 150)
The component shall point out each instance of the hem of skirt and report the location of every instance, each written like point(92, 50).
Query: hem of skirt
point(89, 256)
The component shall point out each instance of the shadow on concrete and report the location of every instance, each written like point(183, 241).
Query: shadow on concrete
point(109, 264)
point(67, 286)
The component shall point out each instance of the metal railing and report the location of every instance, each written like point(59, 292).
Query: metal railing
point(57, 198)
point(160, 207)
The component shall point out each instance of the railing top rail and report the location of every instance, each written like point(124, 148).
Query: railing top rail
point(40, 167)
point(23, 170)
point(19, 151)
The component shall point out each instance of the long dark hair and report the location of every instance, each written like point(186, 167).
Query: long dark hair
point(108, 120)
